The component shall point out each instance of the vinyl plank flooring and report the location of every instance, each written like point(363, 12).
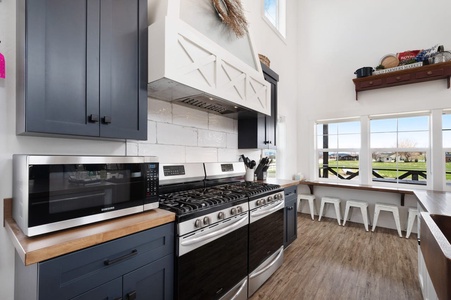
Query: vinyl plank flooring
point(328, 261)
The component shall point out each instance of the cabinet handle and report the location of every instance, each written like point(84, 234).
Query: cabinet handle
point(290, 208)
point(398, 78)
point(267, 142)
point(106, 120)
point(131, 295)
point(429, 72)
point(370, 83)
point(120, 298)
point(110, 262)
point(93, 118)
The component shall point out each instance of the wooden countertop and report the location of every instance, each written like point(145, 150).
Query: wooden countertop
point(284, 183)
point(39, 248)
point(435, 202)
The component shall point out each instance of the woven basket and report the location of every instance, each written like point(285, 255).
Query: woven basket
point(264, 59)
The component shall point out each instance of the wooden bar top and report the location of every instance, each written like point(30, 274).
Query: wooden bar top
point(357, 187)
point(284, 183)
point(39, 248)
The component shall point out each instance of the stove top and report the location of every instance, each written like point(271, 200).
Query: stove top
point(192, 203)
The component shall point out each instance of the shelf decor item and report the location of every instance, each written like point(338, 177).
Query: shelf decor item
point(232, 15)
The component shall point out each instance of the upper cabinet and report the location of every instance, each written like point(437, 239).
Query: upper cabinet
point(82, 68)
point(259, 131)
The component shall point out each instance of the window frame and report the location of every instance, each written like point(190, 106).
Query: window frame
point(446, 185)
point(281, 27)
point(336, 179)
point(427, 150)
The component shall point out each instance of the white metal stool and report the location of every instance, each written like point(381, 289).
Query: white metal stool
point(310, 199)
point(387, 207)
point(413, 213)
point(363, 207)
point(335, 202)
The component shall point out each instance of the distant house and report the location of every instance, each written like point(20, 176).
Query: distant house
point(386, 157)
point(447, 156)
point(343, 156)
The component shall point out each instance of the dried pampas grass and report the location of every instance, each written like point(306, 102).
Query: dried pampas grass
point(231, 14)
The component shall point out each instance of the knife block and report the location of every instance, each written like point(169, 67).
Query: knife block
point(261, 175)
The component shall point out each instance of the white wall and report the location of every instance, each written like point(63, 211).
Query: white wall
point(338, 37)
point(176, 134)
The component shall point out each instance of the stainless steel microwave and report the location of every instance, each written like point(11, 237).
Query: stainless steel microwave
point(51, 193)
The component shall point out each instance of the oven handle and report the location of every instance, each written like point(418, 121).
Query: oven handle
point(239, 290)
point(268, 266)
point(208, 236)
point(269, 211)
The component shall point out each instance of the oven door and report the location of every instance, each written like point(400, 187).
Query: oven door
point(265, 243)
point(214, 266)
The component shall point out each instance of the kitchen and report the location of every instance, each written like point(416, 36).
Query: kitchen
point(325, 38)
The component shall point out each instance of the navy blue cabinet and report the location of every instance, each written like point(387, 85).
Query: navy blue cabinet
point(138, 266)
point(291, 223)
point(82, 68)
point(258, 131)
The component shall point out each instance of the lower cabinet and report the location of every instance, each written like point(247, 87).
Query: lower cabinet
point(138, 266)
point(291, 222)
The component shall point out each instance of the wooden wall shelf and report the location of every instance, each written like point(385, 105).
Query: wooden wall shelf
point(414, 75)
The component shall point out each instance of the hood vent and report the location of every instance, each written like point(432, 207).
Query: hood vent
point(197, 61)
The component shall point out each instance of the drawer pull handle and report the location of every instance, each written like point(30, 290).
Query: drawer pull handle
point(131, 295)
point(429, 73)
point(398, 78)
point(110, 262)
point(371, 82)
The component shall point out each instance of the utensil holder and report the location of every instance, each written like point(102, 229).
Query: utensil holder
point(249, 175)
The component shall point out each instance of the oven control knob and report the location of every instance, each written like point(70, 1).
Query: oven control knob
point(198, 223)
point(206, 220)
point(233, 211)
point(221, 215)
point(277, 197)
point(239, 209)
point(270, 199)
point(263, 201)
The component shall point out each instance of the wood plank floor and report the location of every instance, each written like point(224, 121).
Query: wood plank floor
point(328, 261)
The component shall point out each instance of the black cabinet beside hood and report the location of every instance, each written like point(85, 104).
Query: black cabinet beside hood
point(258, 131)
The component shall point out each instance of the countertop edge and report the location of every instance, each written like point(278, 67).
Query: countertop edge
point(36, 249)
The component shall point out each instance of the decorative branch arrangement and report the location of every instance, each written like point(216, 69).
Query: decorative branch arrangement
point(231, 14)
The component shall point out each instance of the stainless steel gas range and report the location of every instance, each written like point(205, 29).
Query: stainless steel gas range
point(222, 250)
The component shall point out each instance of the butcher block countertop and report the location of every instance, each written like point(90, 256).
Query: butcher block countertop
point(284, 183)
point(39, 248)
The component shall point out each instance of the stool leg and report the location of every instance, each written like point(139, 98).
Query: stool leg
point(321, 211)
point(346, 214)
point(376, 216)
point(365, 217)
point(337, 212)
point(312, 208)
point(398, 225)
point(410, 225)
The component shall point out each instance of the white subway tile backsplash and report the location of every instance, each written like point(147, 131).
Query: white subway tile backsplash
point(228, 155)
point(159, 111)
point(208, 138)
point(199, 154)
point(220, 123)
point(232, 141)
point(151, 132)
point(185, 116)
point(176, 135)
point(165, 153)
point(132, 148)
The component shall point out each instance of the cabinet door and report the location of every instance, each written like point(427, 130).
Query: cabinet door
point(123, 69)
point(153, 281)
point(111, 290)
point(290, 216)
point(61, 84)
point(271, 121)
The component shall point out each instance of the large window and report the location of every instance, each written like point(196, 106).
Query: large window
point(338, 150)
point(275, 14)
point(399, 149)
point(446, 138)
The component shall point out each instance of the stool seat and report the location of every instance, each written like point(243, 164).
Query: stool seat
point(310, 199)
point(335, 202)
point(413, 213)
point(390, 208)
point(363, 208)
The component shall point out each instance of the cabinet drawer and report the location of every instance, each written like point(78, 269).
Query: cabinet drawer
point(370, 83)
point(73, 274)
point(290, 191)
point(400, 78)
point(430, 73)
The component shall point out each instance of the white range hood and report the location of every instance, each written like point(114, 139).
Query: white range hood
point(196, 60)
